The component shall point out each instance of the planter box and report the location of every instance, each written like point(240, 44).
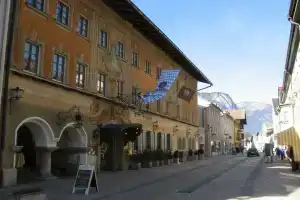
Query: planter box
point(155, 163)
point(168, 161)
point(182, 159)
point(161, 163)
point(190, 158)
point(200, 157)
point(134, 166)
point(146, 164)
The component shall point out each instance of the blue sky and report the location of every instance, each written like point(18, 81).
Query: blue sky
point(239, 44)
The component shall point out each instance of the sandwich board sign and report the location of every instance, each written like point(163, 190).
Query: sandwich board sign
point(85, 179)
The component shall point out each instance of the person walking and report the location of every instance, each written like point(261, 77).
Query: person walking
point(277, 152)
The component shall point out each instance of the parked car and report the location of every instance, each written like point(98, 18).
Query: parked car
point(252, 152)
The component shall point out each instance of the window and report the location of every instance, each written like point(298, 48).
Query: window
point(168, 142)
point(103, 39)
point(83, 26)
point(119, 89)
point(101, 83)
point(58, 67)
point(80, 75)
point(62, 13)
point(158, 105)
point(37, 4)
point(31, 57)
point(134, 95)
point(159, 140)
point(148, 140)
point(148, 67)
point(135, 59)
point(158, 72)
point(120, 50)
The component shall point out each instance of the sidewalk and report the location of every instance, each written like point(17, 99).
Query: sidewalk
point(111, 183)
point(276, 180)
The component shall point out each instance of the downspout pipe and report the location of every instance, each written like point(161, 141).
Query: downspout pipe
point(293, 22)
point(5, 95)
point(205, 87)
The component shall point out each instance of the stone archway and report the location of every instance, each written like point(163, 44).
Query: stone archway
point(72, 150)
point(35, 138)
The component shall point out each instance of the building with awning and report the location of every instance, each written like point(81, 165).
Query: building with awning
point(287, 111)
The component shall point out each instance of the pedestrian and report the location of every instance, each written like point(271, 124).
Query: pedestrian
point(277, 151)
point(176, 156)
point(282, 153)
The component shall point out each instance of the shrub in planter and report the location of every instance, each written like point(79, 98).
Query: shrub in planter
point(135, 160)
point(157, 157)
point(175, 156)
point(146, 158)
point(200, 154)
point(181, 156)
point(190, 155)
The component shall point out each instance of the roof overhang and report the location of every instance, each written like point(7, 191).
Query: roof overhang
point(294, 18)
point(294, 11)
point(128, 11)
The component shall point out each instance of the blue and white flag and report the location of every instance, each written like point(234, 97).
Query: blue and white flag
point(163, 85)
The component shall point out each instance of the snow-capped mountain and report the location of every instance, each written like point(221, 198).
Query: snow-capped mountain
point(257, 112)
point(220, 99)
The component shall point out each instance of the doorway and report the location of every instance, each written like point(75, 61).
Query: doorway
point(26, 160)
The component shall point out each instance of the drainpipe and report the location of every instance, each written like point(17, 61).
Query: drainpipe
point(7, 64)
point(205, 87)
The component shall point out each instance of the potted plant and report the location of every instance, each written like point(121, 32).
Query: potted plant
point(155, 158)
point(176, 156)
point(160, 157)
point(135, 160)
point(168, 157)
point(181, 156)
point(200, 154)
point(146, 158)
point(190, 155)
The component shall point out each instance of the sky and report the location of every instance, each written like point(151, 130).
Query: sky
point(240, 45)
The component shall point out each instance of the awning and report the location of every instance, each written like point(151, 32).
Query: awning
point(121, 126)
point(290, 137)
point(129, 131)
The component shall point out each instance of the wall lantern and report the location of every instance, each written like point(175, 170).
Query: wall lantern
point(189, 130)
point(96, 132)
point(15, 94)
point(78, 118)
point(155, 124)
point(175, 128)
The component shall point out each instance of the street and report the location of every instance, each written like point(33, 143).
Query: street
point(218, 178)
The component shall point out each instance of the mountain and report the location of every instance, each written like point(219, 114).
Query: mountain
point(257, 112)
point(220, 99)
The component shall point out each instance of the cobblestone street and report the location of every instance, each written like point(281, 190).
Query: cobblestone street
point(218, 178)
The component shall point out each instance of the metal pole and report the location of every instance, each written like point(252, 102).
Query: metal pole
point(7, 65)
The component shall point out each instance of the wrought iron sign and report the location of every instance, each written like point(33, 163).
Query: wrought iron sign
point(186, 93)
point(73, 114)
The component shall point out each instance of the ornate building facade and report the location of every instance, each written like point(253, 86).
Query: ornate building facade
point(79, 64)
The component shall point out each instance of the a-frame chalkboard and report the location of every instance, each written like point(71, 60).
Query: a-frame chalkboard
point(85, 179)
